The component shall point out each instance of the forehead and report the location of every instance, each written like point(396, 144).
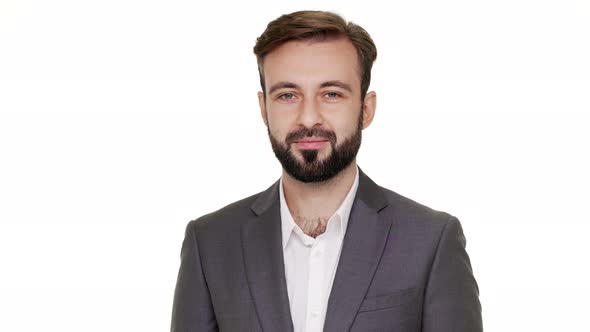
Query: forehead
point(311, 62)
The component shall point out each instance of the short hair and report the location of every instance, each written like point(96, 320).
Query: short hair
point(318, 25)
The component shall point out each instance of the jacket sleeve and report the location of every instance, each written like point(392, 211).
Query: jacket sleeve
point(451, 302)
point(192, 310)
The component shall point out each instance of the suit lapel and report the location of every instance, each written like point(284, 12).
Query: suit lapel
point(362, 248)
point(264, 264)
point(363, 245)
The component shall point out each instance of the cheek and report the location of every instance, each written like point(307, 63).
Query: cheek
point(281, 125)
point(280, 118)
point(343, 126)
point(277, 132)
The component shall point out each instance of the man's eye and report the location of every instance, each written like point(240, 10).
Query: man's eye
point(287, 96)
point(332, 95)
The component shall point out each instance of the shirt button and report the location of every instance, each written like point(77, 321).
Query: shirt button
point(318, 253)
point(314, 314)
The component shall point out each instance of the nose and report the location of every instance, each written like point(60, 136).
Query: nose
point(309, 114)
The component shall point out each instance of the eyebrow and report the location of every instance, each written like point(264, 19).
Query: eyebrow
point(282, 85)
point(290, 85)
point(338, 84)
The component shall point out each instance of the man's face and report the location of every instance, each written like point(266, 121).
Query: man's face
point(312, 108)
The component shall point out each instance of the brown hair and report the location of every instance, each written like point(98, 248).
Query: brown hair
point(308, 24)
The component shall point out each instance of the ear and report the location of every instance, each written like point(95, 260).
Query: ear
point(369, 106)
point(262, 105)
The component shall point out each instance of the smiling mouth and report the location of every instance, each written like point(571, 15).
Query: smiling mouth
point(311, 144)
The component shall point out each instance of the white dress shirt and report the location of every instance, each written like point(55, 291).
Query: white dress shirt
point(310, 264)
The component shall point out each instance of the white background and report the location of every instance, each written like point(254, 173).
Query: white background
point(122, 120)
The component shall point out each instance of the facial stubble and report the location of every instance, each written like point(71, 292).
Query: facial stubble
point(312, 169)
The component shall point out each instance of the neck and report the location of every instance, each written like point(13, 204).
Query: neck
point(318, 199)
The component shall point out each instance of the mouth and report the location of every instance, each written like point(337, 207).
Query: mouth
point(311, 143)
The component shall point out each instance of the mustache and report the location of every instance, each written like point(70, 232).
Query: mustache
point(313, 132)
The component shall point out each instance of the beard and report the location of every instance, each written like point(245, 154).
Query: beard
point(312, 169)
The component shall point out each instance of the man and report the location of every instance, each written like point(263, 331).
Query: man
point(324, 248)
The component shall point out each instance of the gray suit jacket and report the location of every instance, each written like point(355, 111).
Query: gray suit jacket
point(403, 268)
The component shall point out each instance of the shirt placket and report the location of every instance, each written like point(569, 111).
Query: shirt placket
point(316, 290)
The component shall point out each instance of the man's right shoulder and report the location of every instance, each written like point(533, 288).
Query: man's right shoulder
point(231, 215)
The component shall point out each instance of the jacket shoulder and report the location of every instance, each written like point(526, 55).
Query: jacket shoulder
point(230, 215)
point(408, 211)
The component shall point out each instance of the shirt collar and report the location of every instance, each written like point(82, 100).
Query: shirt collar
point(287, 222)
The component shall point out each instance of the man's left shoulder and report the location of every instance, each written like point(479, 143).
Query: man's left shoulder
point(410, 213)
